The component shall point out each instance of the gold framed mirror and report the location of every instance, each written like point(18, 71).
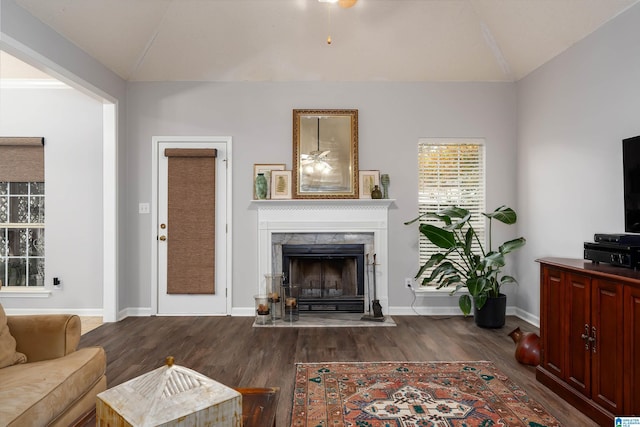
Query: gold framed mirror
point(325, 154)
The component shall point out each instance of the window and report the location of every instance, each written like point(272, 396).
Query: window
point(21, 212)
point(450, 173)
point(22, 233)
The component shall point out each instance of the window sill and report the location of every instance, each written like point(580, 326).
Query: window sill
point(22, 292)
point(432, 291)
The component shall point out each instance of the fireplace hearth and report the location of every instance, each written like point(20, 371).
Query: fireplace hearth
point(330, 277)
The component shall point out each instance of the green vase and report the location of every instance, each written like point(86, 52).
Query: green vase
point(261, 187)
point(376, 193)
point(384, 181)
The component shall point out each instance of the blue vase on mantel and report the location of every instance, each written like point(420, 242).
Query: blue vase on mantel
point(261, 187)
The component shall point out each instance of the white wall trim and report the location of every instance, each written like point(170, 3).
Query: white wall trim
point(527, 317)
point(134, 312)
point(22, 292)
point(110, 212)
point(89, 312)
point(455, 311)
point(243, 311)
point(32, 84)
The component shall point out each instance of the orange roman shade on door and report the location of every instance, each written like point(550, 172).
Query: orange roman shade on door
point(191, 221)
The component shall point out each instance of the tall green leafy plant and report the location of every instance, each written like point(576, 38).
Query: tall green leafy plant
point(476, 269)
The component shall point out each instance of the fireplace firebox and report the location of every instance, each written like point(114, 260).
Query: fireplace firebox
point(330, 276)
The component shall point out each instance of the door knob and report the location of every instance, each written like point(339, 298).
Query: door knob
point(163, 226)
point(163, 238)
point(586, 337)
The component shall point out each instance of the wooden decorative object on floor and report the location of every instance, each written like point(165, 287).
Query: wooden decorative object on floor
point(170, 396)
point(527, 347)
point(259, 406)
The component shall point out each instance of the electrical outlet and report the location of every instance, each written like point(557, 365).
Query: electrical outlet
point(408, 282)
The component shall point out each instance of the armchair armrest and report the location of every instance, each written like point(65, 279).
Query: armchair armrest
point(45, 336)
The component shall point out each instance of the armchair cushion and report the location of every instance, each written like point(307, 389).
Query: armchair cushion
point(8, 354)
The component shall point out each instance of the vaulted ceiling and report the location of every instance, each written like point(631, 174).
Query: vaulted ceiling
point(286, 40)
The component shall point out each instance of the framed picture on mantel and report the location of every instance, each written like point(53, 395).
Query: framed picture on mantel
point(368, 180)
point(281, 184)
point(266, 169)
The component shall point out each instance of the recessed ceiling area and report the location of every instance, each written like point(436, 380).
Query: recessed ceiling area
point(286, 40)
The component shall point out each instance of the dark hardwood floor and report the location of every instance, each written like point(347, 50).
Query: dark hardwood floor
point(230, 351)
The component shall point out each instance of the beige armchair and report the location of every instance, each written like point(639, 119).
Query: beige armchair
point(59, 382)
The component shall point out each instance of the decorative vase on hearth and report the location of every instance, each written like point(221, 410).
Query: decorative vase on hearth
point(527, 347)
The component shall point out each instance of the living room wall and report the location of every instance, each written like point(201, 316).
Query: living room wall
point(573, 113)
point(392, 117)
point(71, 123)
point(568, 118)
point(29, 39)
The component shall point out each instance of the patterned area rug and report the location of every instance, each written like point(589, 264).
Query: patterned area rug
point(405, 394)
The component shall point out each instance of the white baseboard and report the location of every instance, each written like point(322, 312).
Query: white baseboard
point(250, 311)
point(88, 312)
point(134, 312)
point(527, 317)
point(243, 311)
point(424, 311)
point(455, 311)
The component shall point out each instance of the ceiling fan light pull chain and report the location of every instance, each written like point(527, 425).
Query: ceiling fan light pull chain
point(329, 23)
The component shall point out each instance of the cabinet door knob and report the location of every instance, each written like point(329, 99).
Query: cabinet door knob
point(592, 339)
point(585, 336)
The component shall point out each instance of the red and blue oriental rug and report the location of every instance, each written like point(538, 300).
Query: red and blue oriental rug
point(406, 394)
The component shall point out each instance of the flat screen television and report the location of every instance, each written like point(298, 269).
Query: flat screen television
point(631, 169)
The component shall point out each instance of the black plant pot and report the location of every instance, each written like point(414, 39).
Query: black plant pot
point(493, 312)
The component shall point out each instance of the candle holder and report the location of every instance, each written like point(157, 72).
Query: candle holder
point(274, 292)
point(291, 303)
point(263, 310)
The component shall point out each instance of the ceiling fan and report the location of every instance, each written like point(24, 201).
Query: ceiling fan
point(342, 3)
point(316, 161)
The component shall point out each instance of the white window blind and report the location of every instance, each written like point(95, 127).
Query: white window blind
point(451, 172)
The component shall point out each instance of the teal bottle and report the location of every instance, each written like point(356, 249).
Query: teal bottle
point(261, 187)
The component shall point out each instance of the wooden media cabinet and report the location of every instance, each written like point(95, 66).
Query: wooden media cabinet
point(590, 336)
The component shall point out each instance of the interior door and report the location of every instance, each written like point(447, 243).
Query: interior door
point(192, 186)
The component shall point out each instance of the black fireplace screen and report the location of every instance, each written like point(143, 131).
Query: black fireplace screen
point(330, 276)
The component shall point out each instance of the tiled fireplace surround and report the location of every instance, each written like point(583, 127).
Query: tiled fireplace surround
point(324, 221)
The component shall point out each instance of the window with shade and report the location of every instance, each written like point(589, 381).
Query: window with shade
point(22, 212)
point(451, 172)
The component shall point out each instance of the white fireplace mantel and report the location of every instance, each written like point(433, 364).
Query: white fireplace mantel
point(326, 216)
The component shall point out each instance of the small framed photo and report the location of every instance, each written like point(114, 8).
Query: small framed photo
point(280, 184)
point(266, 169)
point(368, 179)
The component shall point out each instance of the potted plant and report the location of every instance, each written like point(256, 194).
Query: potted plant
point(476, 269)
